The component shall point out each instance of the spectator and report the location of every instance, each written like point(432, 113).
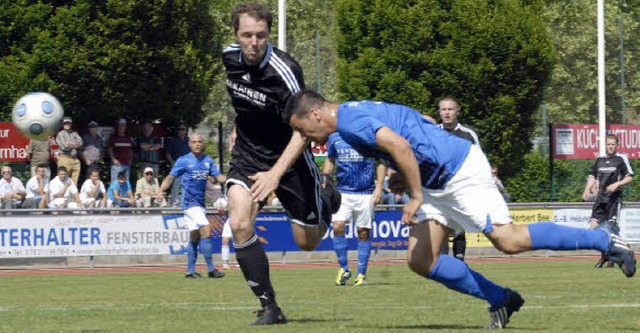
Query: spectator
point(148, 190)
point(397, 189)
point(37, 188)
point(12, 191)
point(93, 149)
point(503, 191)
point(149, 147)
point(63, 192)
point(39, 154)
point(93, 193)
point(121, 147)
point(69, 142)
point(178, 146)
point(120, 193)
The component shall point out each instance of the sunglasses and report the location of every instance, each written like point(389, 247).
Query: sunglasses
point(149, 174)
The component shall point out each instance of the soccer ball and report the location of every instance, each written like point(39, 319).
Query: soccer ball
point(37, 115)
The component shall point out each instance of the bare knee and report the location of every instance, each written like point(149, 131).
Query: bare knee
point(363, 234)
point(511, 238)
point(420, 267)
point(305, 245)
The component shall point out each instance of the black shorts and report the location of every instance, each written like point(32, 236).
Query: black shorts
point(604, 211)
point(299, 190)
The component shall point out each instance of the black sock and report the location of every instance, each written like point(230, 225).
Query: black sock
point(459, 246)
point(255, 267)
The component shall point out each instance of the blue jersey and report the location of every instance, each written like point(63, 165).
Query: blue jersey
point(355, 173)
point(193, 173)
point(122, 190)
point(439, 153)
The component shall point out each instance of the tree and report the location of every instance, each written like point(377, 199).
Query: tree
point(494, 56)
point(106, 59)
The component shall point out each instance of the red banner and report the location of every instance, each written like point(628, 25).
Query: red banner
point(576, 141)
point(13, 145)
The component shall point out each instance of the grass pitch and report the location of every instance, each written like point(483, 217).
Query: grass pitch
point(561, 296)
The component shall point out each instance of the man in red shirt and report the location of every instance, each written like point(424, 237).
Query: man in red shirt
point(121, 146)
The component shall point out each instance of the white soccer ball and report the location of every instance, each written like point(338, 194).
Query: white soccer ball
point(37, 115)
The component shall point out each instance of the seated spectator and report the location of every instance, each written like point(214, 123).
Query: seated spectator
point(119, 193)
point(12, 191)
point(503, 191)
point(396, 191)
point(37, 188)
point(63, 193)
point(93, 193)
point(148, 190)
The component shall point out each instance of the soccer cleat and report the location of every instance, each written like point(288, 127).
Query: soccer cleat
point(600, 263)
point(193, 275)
point(619, 251)
point(226, 266)
point(360, 280)
point(216, 274)
point(500, 315)
point(270, 315)
point(342, 277)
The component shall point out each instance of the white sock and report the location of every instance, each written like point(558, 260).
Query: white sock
point(225, 253)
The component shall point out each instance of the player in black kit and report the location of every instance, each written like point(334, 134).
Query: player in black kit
point(611, 172)
point(448, 109)
point(267, 155)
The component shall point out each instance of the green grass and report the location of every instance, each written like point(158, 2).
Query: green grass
point(567, 296)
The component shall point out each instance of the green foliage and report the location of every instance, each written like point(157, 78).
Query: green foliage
point(494, 56)
point(104, 59)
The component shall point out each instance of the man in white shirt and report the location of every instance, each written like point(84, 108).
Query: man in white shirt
point(63, 193)
point(93, 193)
point(37, 188)
point(12, 192)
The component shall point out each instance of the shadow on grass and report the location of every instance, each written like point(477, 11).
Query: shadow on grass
point(315, 320)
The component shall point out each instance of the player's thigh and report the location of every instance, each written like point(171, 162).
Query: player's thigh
point(242, 208)
point(345, 213)
point(364, 210)
point(425, 241)
point(195, 217)
point(299, 193)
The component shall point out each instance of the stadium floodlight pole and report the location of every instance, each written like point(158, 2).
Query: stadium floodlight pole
point(282, 25)
point(601, 82)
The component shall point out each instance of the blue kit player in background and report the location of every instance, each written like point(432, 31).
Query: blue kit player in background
point(451, 188)
point(356, 181)
point(194, 169)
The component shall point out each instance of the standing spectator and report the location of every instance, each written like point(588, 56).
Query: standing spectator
point(148, 190)
point(63, 192)
point(92, 192)
point(194, 170)
point(69, 142)
point(120, 193)
point(503, 191)
point(121, 147)
point(37, 188)
point(449, 109)
point(39, 154)
point(13, 191)
point(93, 149)
point(178, 146)
point(612, 172)
point(360, 193)
point(149, 147)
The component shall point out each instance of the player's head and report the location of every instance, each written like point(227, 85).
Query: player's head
point(448, 109)
point(251, 27)
point(612, 144)
point(196, 143)
point(308, 114)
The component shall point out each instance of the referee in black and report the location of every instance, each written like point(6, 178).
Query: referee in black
point(448, 108)
point(267, 155)
point(611, 172)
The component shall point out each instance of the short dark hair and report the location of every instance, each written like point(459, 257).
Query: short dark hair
point(122, 174)
point(302, 102)
point(254, 10)
point(612, 136)
point(63, 168)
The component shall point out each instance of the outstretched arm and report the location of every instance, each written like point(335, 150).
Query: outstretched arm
point(400, 150)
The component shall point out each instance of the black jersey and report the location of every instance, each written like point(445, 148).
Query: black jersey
point(608, 170)
point(463, 132)
point(259, 94)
